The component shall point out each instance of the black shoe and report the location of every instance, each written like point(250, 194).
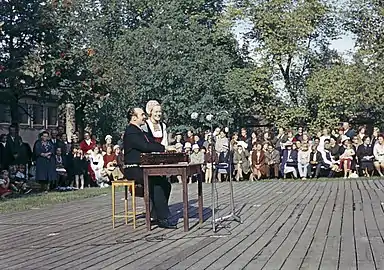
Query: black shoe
point(154, 222)
point(166, 225)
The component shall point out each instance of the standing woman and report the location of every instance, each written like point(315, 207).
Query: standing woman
point(45, 161)
point(156, 132)
point(154, 127)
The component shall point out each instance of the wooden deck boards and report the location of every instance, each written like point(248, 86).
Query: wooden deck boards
point(286, 225)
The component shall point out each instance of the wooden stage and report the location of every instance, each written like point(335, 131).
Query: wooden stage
point(287, 225)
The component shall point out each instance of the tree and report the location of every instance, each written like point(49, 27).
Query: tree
point(344, 92)
point(285, 34)
point(27, 32)
point(250, 92)
point(178, 55)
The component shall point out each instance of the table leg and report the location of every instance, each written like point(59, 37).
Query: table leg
point(200, 197)
point(146, 201)
point(184, 177)
point(113, 206)
point(126, 204)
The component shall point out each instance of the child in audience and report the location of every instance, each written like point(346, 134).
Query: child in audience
point(346, 159)
point(80, 167)
point(5, 184)
point(20, 179)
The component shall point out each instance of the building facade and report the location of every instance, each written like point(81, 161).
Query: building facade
point(33, 118)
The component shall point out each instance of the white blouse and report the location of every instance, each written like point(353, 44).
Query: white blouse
point(162, 133)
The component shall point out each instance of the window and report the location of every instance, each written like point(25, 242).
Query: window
point(38, 115)
point(23, 113)
point(52, 116)
point(5, 113)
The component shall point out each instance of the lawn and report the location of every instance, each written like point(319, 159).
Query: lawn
point(43, 200)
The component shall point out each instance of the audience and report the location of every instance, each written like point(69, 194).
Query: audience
point(68, 162)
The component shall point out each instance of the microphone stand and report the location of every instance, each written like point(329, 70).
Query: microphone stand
point(232, 215)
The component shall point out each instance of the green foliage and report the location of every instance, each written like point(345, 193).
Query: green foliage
point(180, 57)
point(26, 61)
point(344, 93)
point(250, 92)
point(286, 33)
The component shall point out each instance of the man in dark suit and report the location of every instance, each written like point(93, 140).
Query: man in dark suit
point(13, 144)
point(4, 159)
point(135, 143)
point(57, 143)
point(315, 160)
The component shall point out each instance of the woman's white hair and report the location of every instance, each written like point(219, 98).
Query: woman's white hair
point(150, 105)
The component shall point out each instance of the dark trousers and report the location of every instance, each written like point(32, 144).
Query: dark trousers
point(316, 168)
point(159, 191)
point(274, 168)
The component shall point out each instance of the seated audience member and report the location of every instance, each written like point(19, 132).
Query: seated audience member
point(20, 180)
point(6, 186)
point(258, 162)
point(195, 157)
point(109, 157)
point(241, 160)
point(115, 168)
point(365, 156)
point(289, 160)
point(272, 157)
point(378, 152)
point(303, 161)
point(334, 148)
point(210, 159)
point(97, 165)
point(346, 157)
point(223, 162)
point(61, 166)
point(329, 164)
point(315, 161)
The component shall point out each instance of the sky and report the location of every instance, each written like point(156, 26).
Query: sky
point(344, 45)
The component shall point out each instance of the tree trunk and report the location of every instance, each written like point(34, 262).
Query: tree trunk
point(70, 121)
point(79, 118)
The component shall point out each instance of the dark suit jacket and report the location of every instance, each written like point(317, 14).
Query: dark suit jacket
point(12, 148)
point(363, 151)
point(3, 157)
point(135, 143)
point(292, 156)
point(59, 144)
point(319, 157)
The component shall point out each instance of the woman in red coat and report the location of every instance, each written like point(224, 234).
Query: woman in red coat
point(87, 145)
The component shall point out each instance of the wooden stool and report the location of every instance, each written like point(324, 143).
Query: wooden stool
point(127, 214)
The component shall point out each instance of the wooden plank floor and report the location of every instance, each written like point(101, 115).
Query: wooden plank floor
point(286, 225)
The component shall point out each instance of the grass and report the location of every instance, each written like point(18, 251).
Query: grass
point(30, 201)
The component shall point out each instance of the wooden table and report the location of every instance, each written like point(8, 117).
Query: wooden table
point(183, 169)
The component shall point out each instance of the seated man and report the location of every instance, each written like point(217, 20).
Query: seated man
point(222, 168)
point(329, 164)
point(135, 143)
point(315, 161)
